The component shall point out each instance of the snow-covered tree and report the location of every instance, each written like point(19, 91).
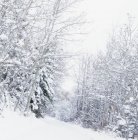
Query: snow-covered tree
point(32, 36)
point(110, 85)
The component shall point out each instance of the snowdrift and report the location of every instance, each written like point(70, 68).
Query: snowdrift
point(15, 127)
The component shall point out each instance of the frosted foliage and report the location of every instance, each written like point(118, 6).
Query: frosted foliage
point(31, 62)
point(107, 86)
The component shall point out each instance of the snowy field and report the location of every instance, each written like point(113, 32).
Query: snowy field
point(14, 127)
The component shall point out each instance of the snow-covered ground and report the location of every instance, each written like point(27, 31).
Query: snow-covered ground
point(15, 127)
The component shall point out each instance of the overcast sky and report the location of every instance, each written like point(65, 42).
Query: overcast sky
point(104, 16)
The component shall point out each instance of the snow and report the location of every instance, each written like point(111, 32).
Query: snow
point(15, 127)
point(122, 122)
point(3, 37)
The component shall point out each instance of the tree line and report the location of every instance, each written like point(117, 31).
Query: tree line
point(106, 95)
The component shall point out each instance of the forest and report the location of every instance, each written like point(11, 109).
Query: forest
point(34, 35)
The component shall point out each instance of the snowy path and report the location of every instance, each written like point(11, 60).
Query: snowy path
point(13, 127)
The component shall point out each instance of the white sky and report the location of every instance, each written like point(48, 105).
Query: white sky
point(104, 15)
